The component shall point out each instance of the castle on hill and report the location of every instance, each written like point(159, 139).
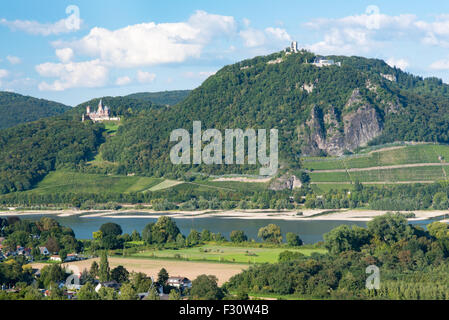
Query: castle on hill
point(102, 114)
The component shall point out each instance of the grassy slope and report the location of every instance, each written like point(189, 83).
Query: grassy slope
point(65, 181)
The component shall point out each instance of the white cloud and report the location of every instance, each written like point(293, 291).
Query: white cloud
point(246, 22)
point(257, 38)
point(150, 43)
point(3, 73)
point(43, 29)
point(365, 32)
point(440, 65)
point(88, 74)
point(398, 63)
point(121, 81)
point(278, 33)
point(253, 37)
point(145, 77)
point(13, 59)
point(65, 54)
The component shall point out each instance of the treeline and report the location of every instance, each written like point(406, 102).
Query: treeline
point(412, 263)
point(403, 197)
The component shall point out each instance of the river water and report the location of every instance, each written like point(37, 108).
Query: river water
point(309, 231)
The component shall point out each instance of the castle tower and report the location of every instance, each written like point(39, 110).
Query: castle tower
point(88, 110)
point(100, 107)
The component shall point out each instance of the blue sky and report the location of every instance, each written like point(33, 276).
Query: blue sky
point(121, 47)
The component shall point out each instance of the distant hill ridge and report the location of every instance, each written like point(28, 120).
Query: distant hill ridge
point(16, 109)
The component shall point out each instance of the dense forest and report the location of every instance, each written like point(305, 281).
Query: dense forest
point(30, 151)
point(16, 109)
point(169, 98)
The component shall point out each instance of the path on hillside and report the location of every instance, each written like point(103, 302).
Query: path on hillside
point(399, 166)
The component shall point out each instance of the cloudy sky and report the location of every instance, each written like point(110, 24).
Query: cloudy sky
point(72, 51)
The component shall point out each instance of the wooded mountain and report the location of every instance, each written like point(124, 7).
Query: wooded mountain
point(16, 109)
point(328, 110)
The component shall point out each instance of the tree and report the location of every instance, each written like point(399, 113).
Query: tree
point(141, 282)
point(111, 242)
point(52, 245)
point(293, 240)
point(390, 227)
point(271, 233)
point(52, 274)
point(106, 293)
point(135, 236)
point(164, 230)
point(147, 233)
point(345, 238)
point(162, 277)
point(127, 292)
point(87, 292)
point(104, 272)
point(238, 236)
point(439, 230)
point(205, 287)
point(120, 274)
point(174, 295)
point(193, 238)
point(94, 270)
point(205, 235)
point(111, 229)
point(153, 294)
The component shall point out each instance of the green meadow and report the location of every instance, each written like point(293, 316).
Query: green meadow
point(219, 253)
point(66, 181)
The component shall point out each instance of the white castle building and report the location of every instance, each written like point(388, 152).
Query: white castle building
point(102, 114)
point(321, 62)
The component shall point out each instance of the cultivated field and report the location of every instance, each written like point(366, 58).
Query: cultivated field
point(151, 267)
point(422, 163)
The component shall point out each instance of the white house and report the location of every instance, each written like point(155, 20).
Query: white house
point(321, 62)
point(179, 282)
point(110, 284)
point(55, 258)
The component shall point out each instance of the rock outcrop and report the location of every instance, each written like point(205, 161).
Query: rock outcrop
point(333, 133)
point(287, 181)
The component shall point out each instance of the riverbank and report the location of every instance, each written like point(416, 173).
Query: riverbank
point(256, 214)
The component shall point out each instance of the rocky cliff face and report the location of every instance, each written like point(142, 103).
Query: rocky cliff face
point(332, 133)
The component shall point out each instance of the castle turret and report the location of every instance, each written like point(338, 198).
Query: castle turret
point(88, 110)
point(100, 107)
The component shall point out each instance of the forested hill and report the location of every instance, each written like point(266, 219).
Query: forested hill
point(327, 110)
point(169, 98)
point(16, 109)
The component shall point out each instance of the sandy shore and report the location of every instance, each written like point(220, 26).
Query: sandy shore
point(257, 214)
